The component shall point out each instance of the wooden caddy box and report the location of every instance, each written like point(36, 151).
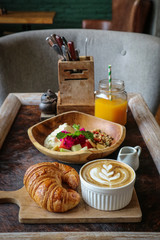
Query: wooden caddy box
point(76, 85)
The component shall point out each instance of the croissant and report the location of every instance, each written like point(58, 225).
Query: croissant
point(43, 182)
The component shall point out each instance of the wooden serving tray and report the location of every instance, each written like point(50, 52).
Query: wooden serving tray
point(30, 212)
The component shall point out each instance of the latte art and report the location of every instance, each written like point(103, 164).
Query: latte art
point(108, 173)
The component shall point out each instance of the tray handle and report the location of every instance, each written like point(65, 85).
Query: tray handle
point(10, 196)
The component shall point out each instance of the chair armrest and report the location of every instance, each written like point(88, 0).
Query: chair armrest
point(96, 24)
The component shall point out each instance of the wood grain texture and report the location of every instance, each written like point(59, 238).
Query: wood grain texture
point(40, 131)
point(8, 112)
point(85, 108)
point(148, 126)
point(139, 109)
point(81, 236)
point(30, 212)
point(18, 153)
point(76, 81)
point(157, 117)
point(29, 98)
point(27, 17)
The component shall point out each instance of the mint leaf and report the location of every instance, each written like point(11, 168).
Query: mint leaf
point(76, 127)
point(76, 133)
point(61, 135)
point(88, 134)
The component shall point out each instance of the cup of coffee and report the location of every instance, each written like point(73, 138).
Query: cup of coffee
point(107, 184)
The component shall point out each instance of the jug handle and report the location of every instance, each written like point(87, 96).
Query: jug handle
point(138, 148)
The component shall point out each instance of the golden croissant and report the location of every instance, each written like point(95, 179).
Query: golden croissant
point(43, 182)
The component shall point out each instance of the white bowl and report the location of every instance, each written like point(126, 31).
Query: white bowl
point(104, 197)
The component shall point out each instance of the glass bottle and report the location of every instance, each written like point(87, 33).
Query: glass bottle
point(111, 105)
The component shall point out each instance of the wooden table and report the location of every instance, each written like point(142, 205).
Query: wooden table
point(18, 113)
point(27, 18)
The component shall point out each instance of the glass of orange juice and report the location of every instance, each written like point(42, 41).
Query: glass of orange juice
point(111, 105)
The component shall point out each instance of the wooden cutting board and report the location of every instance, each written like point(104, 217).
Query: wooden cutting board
point(30, 212)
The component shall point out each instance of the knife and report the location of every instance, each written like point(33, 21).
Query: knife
point(77, 53)
point(54, 46)
point(72, 50)
point(50, 41)
point(66, 48)
point(59, 40)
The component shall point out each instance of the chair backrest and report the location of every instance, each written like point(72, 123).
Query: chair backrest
point(142, 15)
point(123, 14)
point(28, 64)
point(129, 15)
point(96, 24)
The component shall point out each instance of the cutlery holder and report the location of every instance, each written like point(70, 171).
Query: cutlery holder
point(76, 85)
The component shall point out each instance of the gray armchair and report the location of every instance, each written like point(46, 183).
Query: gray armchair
point(28, 64)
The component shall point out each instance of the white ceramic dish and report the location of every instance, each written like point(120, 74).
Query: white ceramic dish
point(106, 198)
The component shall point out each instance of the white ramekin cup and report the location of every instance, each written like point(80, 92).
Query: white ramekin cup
point(105, 198)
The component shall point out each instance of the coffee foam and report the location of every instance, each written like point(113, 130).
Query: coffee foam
point(107, 173)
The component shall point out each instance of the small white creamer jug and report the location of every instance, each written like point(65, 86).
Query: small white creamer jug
point(130, 156)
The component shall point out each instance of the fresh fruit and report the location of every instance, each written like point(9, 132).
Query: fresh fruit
point(92, 143)
point(75, 148)
point(65, 150)
point(67, 142)
point(87, 144)
point(56, 148)
point(75, 138)
point(100, 146)
point(84, 148)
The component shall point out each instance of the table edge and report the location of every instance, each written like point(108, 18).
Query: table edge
point(45, 17)
point(146, 124)
point(145, 120)
point(80, 235)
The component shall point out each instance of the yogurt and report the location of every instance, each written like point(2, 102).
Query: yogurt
point(51, 139)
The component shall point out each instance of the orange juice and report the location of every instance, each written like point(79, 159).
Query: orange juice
point(114, 110)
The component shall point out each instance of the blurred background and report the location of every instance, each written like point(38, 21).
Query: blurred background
point(70, 13)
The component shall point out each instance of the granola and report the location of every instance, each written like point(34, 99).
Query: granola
point(101, 138)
